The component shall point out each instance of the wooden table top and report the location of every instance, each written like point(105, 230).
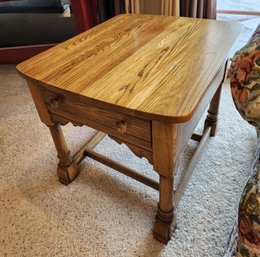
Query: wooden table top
point(158, 66)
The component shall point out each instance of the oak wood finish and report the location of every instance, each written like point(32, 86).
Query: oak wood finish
point(57, 103)
point(92, 143)
point(212, 117)
point(39, 104)
point(144, 65)
point(145, 81)
point(67, 170)
point(138, 151)
point(123, 169)
point(68, 165)
point(189, 126)
point(166, 153)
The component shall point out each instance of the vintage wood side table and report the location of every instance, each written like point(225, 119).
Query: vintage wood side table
point(145, 81)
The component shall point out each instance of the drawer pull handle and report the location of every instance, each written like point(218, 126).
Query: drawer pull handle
point(121, 126)
point(55, 102)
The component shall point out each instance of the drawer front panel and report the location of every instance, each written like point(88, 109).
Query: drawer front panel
point(114, 123)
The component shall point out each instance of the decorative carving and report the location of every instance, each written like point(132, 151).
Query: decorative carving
point(63, 121)
point(139, 152)
point(212, 118)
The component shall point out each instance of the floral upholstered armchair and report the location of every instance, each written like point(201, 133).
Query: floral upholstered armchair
point(245, 88)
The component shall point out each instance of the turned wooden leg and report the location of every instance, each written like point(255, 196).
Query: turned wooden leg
point(165, 215)
point(67, 169)
point(166, 152)
point(212, 118)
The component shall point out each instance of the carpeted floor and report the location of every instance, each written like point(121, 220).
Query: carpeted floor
point(103, 213)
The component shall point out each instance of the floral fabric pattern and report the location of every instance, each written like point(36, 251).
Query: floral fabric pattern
point(244, 239)
point(245, 88)
point(245, 80)
point(249, 214)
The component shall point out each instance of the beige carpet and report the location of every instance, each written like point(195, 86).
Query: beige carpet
point(104, 213)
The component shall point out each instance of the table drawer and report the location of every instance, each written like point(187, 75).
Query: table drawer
point(111, 122)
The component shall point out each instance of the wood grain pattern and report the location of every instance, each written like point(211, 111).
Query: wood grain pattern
point(67, 170)
point(189, 127)
point(77, 119)
point(39, 104)
point(61, 104)
point(166, 154)
point(144, 80)
point(156, 67)
point(138, 151)
point(167, 140)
